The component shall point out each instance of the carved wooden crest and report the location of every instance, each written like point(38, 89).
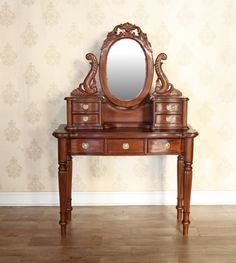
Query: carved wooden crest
point(163, 87)
point(127, 30)
point(88, 87)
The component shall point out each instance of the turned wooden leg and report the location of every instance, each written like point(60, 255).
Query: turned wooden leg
point(188, 158)
point(180, 182)
point(69, 185)
point(62, 177)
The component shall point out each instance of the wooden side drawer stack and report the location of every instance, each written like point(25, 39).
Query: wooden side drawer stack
point(83, 112)
point(169, 113)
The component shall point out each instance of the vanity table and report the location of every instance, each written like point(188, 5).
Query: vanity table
point(126, 116)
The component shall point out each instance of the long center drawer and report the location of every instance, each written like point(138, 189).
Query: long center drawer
point(125, 146)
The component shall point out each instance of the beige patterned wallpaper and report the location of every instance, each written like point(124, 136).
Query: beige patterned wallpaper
point(42, 49)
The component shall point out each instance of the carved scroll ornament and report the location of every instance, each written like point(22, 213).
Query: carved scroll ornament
point(127, 30)
point(163, 87)
point(88, 87)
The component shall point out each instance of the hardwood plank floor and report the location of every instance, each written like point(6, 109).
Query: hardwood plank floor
point(118, 234)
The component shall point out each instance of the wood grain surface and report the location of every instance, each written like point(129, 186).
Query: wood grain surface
point(118, 234)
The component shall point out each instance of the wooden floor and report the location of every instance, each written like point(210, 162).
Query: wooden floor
point(118, 234)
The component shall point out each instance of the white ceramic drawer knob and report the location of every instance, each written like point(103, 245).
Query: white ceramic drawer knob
point(171, 107)
point(170, 119)
point(85, 118)
point(85, 145)
point(166, 145)
point(125, 146)
point(85, 106)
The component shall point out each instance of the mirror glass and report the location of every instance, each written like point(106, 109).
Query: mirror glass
point(126, 69)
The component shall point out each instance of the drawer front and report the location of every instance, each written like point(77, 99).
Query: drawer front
point(168, 107)
point(125, 146)
point(85, 107)
point(170, 119)
point(164, 146)
point(85, 118)
point(87, 146)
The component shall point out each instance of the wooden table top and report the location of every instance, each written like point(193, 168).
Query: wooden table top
point(61, 132)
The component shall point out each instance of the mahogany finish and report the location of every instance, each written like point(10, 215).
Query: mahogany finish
point(131, 32)
point(150, 124)
point(171, 146)
point(87, 146)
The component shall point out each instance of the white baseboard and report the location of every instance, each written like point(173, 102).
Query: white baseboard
point(116, 198)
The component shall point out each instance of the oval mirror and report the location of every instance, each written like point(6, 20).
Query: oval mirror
point(126, 66)
point(126, 69)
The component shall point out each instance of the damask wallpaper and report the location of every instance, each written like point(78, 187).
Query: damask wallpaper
point(42, 58)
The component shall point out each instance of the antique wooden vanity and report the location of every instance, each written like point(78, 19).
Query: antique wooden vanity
point(126, 116)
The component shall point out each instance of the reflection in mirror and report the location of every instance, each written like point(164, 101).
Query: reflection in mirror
point(126, 69)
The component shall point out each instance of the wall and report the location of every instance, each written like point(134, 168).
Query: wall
point(42, 58)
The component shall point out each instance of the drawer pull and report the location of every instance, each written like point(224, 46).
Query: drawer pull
point(170, 119)
point(166, 145)
point(125, 146)
point(85, 118)
point(85, 106)
point(172, 107)
point(85, 145)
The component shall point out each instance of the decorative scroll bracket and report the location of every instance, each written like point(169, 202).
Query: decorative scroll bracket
point(163, 87)
point(88, 87)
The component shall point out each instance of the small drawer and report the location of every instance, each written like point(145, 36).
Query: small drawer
point(169, 119)
point(85, 118)
point(85, 107)
point(123, 146)
point(170, 107)
point(87, 146)
point(164, 146)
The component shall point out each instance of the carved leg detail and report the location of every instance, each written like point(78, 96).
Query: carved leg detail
point(69, 185)
point(62, 190)
point(187, 183)
point(62, 178)
point(180, 182)
point(187, 195)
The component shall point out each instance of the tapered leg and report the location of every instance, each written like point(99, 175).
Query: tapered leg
point(188, 158)
point(180, 182)
point(69, 185)
point(62, 177)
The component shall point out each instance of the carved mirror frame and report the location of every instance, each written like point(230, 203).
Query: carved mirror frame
point(126, 31)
